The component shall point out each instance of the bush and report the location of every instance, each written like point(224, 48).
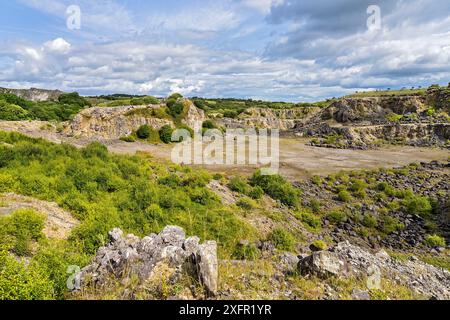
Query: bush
point(143, 132)
point(18, 282)
point(344, 196)
point(390, 224)
point(246, 203)
point(165, 134)
point(239, 184)
point(419, 205)
point(435, 241)
point(336, 216)
point(246, 252)
point(276, 187)
point(358, 185)
point(369, 221)
point(20, 229)
point(12, 112)
point(315, 205)
point(310, 220)
point(73, 99)
point(319, 244)
point(282, 239)
point(208, 124)
point(256, 193)
point(175, 109)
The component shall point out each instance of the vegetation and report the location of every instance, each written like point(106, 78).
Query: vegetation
point(282, 239)
point(102, 191)
point(143, 132)
point(165, 133)
point(15, 108)
point(276, 187)
point(435, 241)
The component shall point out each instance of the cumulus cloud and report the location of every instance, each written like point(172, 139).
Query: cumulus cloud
point(312, 49)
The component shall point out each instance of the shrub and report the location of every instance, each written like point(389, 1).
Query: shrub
point(175, 109)
point(435, 241)
point(393, 117)
point(276, 187)
point(418, 205)
point(21, 228)
point(282, 239)
point(175, 96)
point(369, 221)
point(143, 132)
point(246, 203)
point(336, 216)
point(73, 99)
point(208, 124)
point(18, 282)
point(344, 196)
point(315, 205)
point(319, 244)
point(317, 180)
point(128, 139)
point(390, 224)
point(310, 220)
point(12, 112)
point(358, 185)
point(165, 134)
point(246, 252)
point(256, 193)
point(239, 184)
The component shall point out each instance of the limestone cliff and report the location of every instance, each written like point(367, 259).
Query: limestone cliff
point(281, 119)
point(114, 122)
point(34, 94)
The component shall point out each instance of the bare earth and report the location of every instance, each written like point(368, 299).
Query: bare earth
point(297, 160)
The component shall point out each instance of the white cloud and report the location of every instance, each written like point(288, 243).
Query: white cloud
point(58, 45)
point(262, 6)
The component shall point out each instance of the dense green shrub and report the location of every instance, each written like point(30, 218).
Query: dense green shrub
point(12, 112)
point(282, 239)
point(165, 133)
point(418, 205)
point(143, 132)
point(20, 229)
point(73, 99)
point(276, 187)
point(246, 252)
point(344, 196)
point(175, 109)
point(310, 220)
point(256, 193)
point(336, 216)
point(369, 221)
point(208, 124)
point(18, 282)
point(246, 203)
point(435, 241)
point(390, 224)
point(239, 184)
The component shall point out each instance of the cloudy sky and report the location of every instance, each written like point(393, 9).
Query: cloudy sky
point(292, 50)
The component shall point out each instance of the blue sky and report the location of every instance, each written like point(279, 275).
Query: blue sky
point(263, 49)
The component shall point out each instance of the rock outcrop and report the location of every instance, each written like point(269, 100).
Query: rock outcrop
point(34, 94)
point(346, 260)
point(113, 122)
point(281, 119)
point(127, 256)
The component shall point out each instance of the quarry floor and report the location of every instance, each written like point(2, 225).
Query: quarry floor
point(297, 159)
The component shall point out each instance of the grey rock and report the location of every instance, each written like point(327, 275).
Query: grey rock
point(358, 294)
point(323, 264)
point(126, 256)
point(208, 266)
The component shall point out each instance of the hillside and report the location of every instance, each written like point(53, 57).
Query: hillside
point(358, 210)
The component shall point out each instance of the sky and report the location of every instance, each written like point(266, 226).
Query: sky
point(279, 50)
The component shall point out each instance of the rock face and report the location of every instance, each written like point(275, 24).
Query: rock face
point(349, 260)
point(282, 119)
point(114, 122)
point(125, 256)
point(373, 108)
point(34, 94)
point(117, 122)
